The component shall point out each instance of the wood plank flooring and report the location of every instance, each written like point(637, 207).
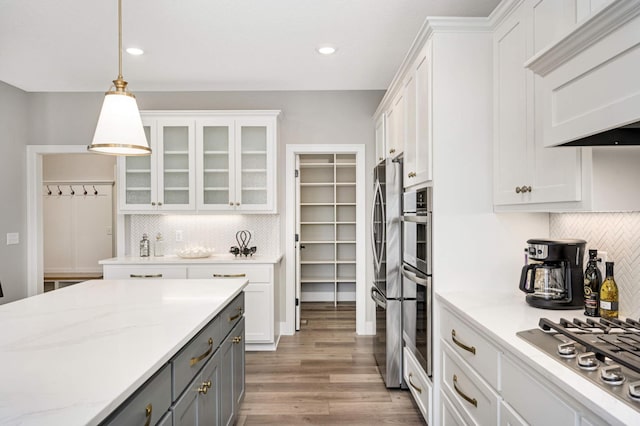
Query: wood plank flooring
point(324, 375)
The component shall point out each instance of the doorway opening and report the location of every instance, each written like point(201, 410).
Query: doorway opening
point(70, 206)
point(325, 206)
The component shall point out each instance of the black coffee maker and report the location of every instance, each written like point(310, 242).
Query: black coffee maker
point(553, 277)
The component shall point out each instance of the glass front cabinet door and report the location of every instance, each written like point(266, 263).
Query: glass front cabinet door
point(164, 180)
point(236, 167)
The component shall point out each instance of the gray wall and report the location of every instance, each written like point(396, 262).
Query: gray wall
point(309, 117)
point(14, 121)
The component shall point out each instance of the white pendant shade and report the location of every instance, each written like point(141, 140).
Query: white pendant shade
point(119, 130)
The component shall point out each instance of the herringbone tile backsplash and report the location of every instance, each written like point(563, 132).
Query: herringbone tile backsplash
point(618, 234)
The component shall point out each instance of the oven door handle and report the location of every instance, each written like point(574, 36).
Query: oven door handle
point(375, 295)
point(414, 277)
point(416, 218)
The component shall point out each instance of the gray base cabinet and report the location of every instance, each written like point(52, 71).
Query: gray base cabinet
point(203, 384)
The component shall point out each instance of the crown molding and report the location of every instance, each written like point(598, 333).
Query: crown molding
point(584, 35)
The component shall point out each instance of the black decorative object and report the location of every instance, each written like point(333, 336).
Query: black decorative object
point(242, 249)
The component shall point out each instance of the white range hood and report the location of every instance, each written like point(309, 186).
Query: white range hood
point(591, 80)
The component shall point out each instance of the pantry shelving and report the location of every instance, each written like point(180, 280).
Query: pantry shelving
point(327, 220)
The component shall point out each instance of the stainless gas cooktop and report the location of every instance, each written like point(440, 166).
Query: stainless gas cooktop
point(606, 352)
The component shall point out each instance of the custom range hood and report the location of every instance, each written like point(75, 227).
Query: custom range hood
point(588, 82)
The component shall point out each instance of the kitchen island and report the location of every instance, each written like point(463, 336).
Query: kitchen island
point(75, 355)
point(550, 388)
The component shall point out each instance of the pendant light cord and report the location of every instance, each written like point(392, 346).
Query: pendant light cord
point(119, 39)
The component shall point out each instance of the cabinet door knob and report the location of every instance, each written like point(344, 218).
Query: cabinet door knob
point(153, 203)
point(159, 204)
point(518, 190)
point(380, 158)
point(203, 389)
point(529, 189)
point(231, 203)
point(392, 150)
point(237, 203)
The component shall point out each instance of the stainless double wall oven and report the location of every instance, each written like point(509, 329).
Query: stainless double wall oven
point(417, 292)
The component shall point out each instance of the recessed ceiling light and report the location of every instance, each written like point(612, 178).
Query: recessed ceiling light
point(135, 51)
point(326, 50)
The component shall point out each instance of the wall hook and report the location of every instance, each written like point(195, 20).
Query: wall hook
point(72, 191)
point(59, 190)
point(84, 190)
point(95, 191)
point(48, 190)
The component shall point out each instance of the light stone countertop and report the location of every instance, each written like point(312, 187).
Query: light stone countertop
point(72, 356)
point(500, 316)
point(176, 260)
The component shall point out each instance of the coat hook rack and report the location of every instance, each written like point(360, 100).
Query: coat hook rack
point(48, 190)
point(59, 190)
point(72, 191)
point(84, 190)
point(95, 191)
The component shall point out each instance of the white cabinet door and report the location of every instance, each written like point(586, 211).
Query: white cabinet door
point(395, 126)
point(215, 162)
point(409, 109)
point(381, 138)
point(164, 180)
point(424, 134)
point(255, 164)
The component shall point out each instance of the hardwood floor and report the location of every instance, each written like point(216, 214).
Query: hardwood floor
point(324, 375)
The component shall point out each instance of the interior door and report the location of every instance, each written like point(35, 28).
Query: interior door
point(298, 246)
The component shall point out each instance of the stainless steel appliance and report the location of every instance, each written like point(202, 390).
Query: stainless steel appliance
point(387, 286)
point(417, 291)
point(555, 279)
point(605, 352)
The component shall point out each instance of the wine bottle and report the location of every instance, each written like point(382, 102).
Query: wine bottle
point(609, 294)
point(592, 283)
point(144, 246)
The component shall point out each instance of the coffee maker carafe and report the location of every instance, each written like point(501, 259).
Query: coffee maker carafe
point(553, 279)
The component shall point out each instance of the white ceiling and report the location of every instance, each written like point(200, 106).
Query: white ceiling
point(71, 45)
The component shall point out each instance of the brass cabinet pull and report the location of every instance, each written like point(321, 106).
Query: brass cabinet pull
point(153, 203)
point(236, 316)
point(229, 275)
point(231, 203)
point(203, 389)
point(207, 384)
point(411, 174)
point(471, 401)
point(414, 386)
point(147, 414)
point(392, 150)
point(145, 275)
point(237, 339)
point(159, 203)
point(196, 360)
point(471, 349)
point(523, 189)
point(237, 203)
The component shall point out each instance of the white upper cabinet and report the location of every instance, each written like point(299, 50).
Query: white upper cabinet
point(404, 126)
point(164, 180)
point(204, 161)
point(525, 172)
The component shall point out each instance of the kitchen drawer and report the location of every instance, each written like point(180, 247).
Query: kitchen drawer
point(166, 420)
point(153, 400)
point(231, 315)
point(450, 416)
point(473, 397)
point(508, 416)
point(188, 362)
point(419, 384)
point(527, 396)
point(119, 272)
point(253, 273)
point(481, 355)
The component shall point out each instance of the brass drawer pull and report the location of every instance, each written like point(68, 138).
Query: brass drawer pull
point(237, 339)
point(471, 401)
point(229, 275)
point(196, 360)
point(414, 386)
point(147, 414)
point(471, 349)
point(145, 275)
point(204, 388)
point(236, 316)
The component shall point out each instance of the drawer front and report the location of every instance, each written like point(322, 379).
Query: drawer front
point(120, 272)
point(418, 383)
point(450, 416)
point(466, 342)
point(467, 390)
point(152, 400)
point(231, 315)
point(254, 273)
point(519, 390)
point(194, 355)
point(508, 417)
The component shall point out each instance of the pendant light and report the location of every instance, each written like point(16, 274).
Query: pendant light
point(119, 130)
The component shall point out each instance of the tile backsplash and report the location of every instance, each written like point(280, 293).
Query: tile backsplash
point(212, 231)
point(618, 234)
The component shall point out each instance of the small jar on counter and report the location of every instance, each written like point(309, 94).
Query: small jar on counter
point(158, 247)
